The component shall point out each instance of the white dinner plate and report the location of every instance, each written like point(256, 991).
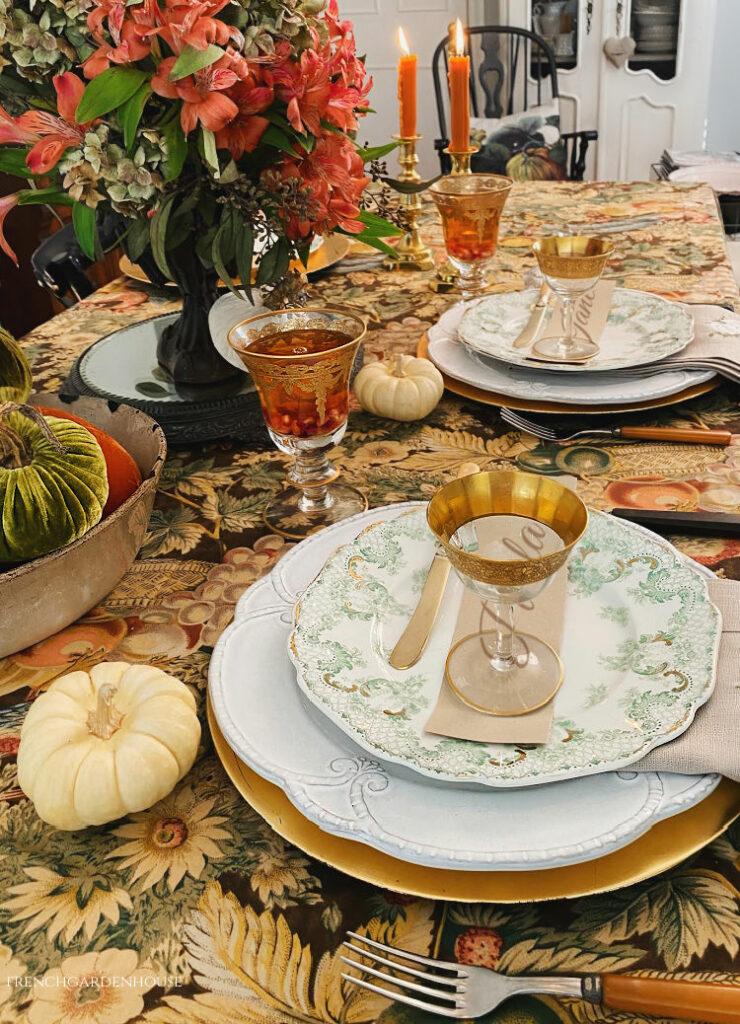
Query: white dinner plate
point(333, 783)
point(455, 360)
point(641, 328)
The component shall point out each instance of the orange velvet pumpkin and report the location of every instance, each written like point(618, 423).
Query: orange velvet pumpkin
point(123, 473)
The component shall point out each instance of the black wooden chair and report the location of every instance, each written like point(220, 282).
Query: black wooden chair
point(514, 70)
point(59, 265)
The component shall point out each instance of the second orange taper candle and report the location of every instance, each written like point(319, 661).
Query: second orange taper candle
point(459, 81)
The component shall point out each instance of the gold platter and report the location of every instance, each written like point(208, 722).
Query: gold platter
point(665, 845)
point(331, 251)
point(459, 387)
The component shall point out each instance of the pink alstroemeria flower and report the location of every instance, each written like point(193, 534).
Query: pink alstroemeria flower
point(193, 24)
point(304, 86)
point(133, 46)
point(243, 133)
point(201, 93)
point(10, 131)
point(54, 135)
point(6, 205)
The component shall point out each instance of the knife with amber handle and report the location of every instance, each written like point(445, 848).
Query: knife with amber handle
point(413, 640)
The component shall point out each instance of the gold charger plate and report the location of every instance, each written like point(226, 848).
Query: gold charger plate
point(331, 251)
point(459, 387)
point(665, 845)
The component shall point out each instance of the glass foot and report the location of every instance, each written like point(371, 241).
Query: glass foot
point(533, 680)
point(564, 349)
point(285, 516)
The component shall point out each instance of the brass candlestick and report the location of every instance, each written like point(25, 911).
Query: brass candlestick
point(412, 253)
point(461, 159)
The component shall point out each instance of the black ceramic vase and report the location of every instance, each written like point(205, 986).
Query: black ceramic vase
point(185, 350)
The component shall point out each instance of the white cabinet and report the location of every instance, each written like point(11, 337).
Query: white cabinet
point(657, 99)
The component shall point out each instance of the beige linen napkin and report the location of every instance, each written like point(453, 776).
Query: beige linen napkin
point(712, 741)
point(543, 618)
point(715, 346)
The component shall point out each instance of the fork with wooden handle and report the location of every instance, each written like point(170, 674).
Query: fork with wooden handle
point(411, 643)
point(460, 991)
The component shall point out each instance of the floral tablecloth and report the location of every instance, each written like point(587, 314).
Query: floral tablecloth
point(196, 912)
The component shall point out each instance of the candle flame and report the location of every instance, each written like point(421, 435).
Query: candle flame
point(459, 39)
point(402, 42)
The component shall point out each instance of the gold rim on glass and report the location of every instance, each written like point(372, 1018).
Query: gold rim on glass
point(279, 313)
point(470, 186)
point(573, 257)
point(507, 492)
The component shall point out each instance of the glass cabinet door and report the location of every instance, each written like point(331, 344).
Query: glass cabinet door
point(655, 26)
point(557, 22)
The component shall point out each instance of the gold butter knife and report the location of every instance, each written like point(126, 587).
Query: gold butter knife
point(532, 327)
point(413, 640)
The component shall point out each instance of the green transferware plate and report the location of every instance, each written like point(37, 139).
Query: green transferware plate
point(641, 328)
point(640, 644)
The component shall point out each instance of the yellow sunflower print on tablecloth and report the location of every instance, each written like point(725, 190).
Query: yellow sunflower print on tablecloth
point(65, 904)
point(173, 838)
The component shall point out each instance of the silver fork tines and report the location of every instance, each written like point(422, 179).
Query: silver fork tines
point(447, 990)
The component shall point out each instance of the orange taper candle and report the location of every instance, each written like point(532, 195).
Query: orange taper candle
point(406, 88)
point(459, 80)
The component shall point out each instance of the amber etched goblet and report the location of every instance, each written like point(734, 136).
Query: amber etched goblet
point(470, 206)
point(506, 534)
point(300, 361)
point(571, 265)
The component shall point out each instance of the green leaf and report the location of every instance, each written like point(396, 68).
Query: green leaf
point(159, 233)
point(137, 238)
point(130, 114)
point(373, 241)
point(192, 60)
point(244, 252)
point(376, 152)
point(13, 161)
point(52, 194)
point(377, 226)
point(210, 154)
point(83, 219)
point(274, 262)
point(409, 188)
point(276, 137)
point(108, 91)
point(177, 148)
point(223, 250)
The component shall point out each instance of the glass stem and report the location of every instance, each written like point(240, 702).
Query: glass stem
point(568, 311)
point(503, 658)
point(312, 472)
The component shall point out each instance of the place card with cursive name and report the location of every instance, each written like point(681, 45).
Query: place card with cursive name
point(589, 317)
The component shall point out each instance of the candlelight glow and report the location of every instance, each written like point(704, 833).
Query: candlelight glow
point(402, 42)
point(459, 39)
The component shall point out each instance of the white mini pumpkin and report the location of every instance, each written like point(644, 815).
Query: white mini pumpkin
point(100, 745)
point(405, 388)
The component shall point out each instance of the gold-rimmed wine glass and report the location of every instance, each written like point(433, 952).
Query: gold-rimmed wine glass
point(300, 361)
point(506, 534)
point(470, 206)
point(571, 265)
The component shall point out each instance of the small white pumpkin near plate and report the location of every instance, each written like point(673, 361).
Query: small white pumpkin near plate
point(97, 746)
point(401, 388)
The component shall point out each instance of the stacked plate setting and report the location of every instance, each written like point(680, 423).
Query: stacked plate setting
point(302, 691)
point(474, 343)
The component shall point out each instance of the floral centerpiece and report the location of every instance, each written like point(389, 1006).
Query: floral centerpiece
point(202, 135)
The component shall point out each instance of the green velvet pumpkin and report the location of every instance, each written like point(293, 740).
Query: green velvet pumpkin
point(53, 482)
point(15, 375)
